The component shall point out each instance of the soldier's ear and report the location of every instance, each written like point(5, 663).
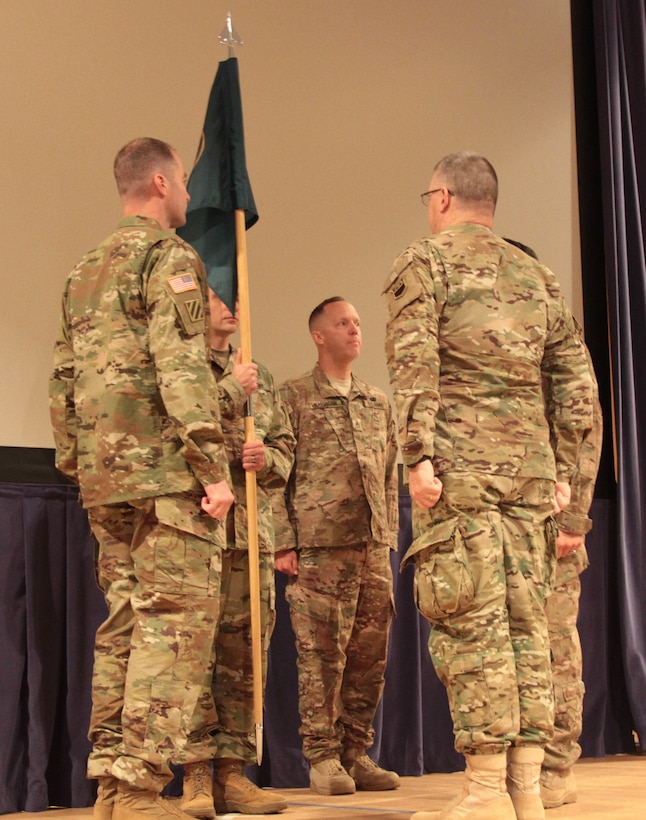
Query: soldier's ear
point(317, 337)
point(160, 184)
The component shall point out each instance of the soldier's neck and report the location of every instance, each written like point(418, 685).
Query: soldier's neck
point(218, 341)
point(336, 370)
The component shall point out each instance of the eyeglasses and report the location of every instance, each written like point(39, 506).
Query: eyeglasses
point(427, 196)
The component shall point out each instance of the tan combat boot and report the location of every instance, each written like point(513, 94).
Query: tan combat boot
point(484, 796)
point(106, 794)
point(368, 776)
point(557, 787)
point(141, 804)
point(523, 772)
point(329, 777)
point(197, 798)
point(233, 791)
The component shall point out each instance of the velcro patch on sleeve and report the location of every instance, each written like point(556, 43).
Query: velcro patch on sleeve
point(190, 308)
point(185, 291)
point(402, 290)
point(182, 282)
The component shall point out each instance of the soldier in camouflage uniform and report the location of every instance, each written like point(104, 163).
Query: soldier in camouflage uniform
point(269, 455)
point(474, 328)
point(342, 518)
point(136, 424)
point(562, 610)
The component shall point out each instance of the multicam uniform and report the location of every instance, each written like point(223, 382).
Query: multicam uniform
point(474, 325)
point(562, 607)
point(342, 505)
point(136, 424)
point(233, 678)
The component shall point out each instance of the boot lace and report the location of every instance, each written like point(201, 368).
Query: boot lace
point(200, 777)
point(331, 766)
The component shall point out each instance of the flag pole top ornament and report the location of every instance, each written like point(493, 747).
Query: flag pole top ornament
point(229, 36)
point(219, 184)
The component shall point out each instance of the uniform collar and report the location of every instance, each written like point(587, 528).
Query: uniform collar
point(138, 222)
point(326, 389)
point(465, 227)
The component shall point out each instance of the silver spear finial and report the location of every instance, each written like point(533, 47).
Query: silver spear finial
point(229, 36)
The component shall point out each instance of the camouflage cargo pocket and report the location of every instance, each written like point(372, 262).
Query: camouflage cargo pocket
point(314, 616)
point(568, 698)
point(469, 695)
point(187, 556)
point(443, 582)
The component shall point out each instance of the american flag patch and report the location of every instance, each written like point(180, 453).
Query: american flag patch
point(182, 282)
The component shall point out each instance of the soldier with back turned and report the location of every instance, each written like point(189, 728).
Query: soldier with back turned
point(136, 423)
point(479, 344)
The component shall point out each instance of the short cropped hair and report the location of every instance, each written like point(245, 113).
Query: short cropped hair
point(470, 176)
point(318, 310)
point(137, 161)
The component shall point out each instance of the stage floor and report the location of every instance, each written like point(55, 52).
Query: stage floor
point(608, 787)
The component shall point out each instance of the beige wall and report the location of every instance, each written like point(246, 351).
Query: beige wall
point(347, 105)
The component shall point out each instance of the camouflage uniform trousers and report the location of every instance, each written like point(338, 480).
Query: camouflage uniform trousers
point(154, 650)
point(482, 580)
point(232, 681)
point(562, 610)
point(341, 607)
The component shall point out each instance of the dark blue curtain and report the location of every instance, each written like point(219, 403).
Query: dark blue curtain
point(615, 130)
point(50, 608)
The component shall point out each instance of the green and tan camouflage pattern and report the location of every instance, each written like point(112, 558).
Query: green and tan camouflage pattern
point(343, 488)
point(483, 574)
point(160, 569)
point(136, 424)
point(232, 681)
point(574, 518)
point(341, 512)
point(474, 328)
point(562, 610)
point(562, 607)
point(479, 343)
point(341, 607)
point(273, 428)
point(133, 404)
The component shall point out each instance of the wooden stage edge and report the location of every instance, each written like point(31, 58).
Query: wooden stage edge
point(610, 787)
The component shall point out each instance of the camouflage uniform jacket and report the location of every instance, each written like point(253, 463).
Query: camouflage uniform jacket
point(343, 487)
point(272, 427)
point(133, 401)
point(574, 518)
point(474, 327)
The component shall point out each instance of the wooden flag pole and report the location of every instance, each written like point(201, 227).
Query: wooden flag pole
point(230, 38)
point(250, 479)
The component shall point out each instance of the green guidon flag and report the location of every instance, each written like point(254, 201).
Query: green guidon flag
point(219, 185)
